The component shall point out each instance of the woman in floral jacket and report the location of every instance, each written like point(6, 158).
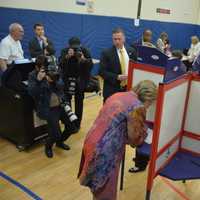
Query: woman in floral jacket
point(120, 121)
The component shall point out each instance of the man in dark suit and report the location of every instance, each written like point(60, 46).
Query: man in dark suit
point(141, 160)
point(40, 44)
point(114, 64)
point(146, 39)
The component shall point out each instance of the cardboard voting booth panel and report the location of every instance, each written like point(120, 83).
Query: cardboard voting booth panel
point(151, 56)
point(153, 65)
point(139, 72)
point(191, 138)
point(165, 156)
point(168, 122)
point(172, 145)
point(172, 114)
point(192, 123)
point(190, 144)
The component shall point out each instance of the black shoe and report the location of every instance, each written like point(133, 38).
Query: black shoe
point(48, 151)
point(63, 146)
point(136, 170)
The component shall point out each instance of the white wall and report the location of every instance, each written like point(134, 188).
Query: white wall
point(183, 11)
point(198, 22)
point(123, 8)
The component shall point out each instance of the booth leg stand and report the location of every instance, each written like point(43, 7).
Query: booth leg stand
point(122, 171)
point(148, 195)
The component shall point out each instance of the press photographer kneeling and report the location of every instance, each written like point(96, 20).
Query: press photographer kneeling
point(47, 91)
point(76, 64)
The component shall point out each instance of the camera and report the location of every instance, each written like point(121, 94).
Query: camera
point(52, 72)
point(77, 51)
point(75, 44)
point(70, 113)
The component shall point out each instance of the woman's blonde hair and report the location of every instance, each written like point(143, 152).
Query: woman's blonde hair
point(146, 91)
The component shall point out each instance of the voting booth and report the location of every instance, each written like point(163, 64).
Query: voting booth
point(18, 121)
point(175, 150)
point(156, 66)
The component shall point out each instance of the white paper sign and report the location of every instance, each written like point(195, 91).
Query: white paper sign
point(90, 6)
point(149, 137)
point(137, 22)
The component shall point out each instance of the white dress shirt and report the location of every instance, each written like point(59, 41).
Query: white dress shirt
point(10, 50)
point(126, 58)
point(194, 51)
point(161, 45)
point(40, 42)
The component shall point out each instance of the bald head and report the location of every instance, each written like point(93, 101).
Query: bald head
point(194, 39)
point(147, 35)
point(16, 31)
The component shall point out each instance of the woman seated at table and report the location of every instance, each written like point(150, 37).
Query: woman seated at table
point(196, 64)
point(121, 121)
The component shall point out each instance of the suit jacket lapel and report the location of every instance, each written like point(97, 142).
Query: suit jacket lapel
point(128, 51)
point(116, 57)
point(38, 44)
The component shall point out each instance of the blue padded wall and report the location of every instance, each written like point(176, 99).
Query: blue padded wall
point(94, 31)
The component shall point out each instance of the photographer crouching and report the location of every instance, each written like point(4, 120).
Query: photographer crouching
point(47, 91)
point(76, 64)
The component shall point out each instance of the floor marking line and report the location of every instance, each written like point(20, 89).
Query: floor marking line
point(20, 186)
point(181, 194)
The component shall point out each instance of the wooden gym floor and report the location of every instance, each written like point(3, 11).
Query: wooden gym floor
point(55, 179)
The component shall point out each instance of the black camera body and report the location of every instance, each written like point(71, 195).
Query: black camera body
point(77, 51)
point(52, 72)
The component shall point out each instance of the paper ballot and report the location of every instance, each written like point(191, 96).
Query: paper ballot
point(149, 137)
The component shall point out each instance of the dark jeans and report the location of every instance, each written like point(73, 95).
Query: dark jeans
point(55, 135)
point(141, 160)
point(79, 98)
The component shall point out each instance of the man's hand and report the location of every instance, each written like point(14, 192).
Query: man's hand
point(41, 75)
point(3, 65)
point(82, 56)
point(44, 39)
point(122, 77)
point(46, 52)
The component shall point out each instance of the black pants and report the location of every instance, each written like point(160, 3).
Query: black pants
point(141, 160)
point(79, 98)
point(188, 65)
point(55, 135)
point(122, 89)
